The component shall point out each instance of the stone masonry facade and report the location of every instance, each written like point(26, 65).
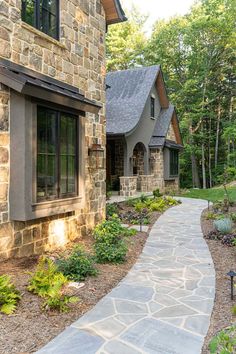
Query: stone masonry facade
point(79, 60)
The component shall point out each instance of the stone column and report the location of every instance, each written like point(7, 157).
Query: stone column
point(147, 183)
point(128, 186)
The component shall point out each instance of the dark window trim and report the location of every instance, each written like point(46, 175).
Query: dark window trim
point(152, 103)
point(174, 163)
point(59, 195)
point(37, 17)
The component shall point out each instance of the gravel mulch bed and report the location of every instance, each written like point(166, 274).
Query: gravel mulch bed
point(224, 259)
point(30, 328)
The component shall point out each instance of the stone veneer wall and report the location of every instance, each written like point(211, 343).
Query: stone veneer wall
point(128, 186)
point(78, 59)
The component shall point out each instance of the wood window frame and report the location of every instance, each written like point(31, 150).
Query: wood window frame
point(37, 12)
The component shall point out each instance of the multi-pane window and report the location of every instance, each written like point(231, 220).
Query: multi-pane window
point(152, 107)
point(174, 163)
point(57, 159)
point(43, 15)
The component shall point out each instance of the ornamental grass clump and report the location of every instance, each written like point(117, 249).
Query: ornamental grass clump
point(110, 241)
point(9, 295)
point(224, 226)
point(48, 283)
point(78, 265)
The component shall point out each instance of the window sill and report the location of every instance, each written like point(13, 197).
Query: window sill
point(42, 34)
point(56, 203)
point(171, 178)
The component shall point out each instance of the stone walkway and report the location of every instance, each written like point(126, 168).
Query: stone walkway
point(163, 305)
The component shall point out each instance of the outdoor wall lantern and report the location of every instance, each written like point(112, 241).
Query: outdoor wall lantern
point(96, 156)
point(232, 274)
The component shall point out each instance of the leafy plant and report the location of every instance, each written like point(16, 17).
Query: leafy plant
point(47, 282)
point(111, 209)
point(156, 204)
point(211, 216)
point(224, 226)
point(110, 244)
point(78, 265)
point(9, 295)
point(224, 342)
point(156, 193)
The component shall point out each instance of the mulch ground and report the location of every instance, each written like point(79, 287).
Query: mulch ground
point(224, 259)
point(30, 328)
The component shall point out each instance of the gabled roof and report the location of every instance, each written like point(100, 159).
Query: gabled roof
point(32, 83)
point(114, 12)
point(161, 129)
point(127, 94)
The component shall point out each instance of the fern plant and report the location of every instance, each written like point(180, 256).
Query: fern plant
point(47, 282)
point(9, 295)
point(224, 226)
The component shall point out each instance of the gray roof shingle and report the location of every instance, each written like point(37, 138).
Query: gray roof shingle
point(127, 93)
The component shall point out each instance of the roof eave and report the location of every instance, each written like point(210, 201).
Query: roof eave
point(118, 11)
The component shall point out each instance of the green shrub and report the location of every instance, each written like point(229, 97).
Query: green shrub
point(9, 296)
point(233, 217)
point(47, 282)
point(224, 226)
point(110, 244)
point(156, 193)
point(111, 209)
point(78, 265)
point(211, 216)
point(224, 342)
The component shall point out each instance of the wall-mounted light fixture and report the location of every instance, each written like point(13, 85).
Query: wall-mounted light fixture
point(96, 157)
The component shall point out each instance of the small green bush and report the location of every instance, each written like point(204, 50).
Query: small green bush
point(211, 216)
point(78, 265)
point(47, 282)
point(9, 296)
point(110, 241)
point(156, 193)
point(224, 226)
point(111, 209)
point(233, 217)
point(224, 342)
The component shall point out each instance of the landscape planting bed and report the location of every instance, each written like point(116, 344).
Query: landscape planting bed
point(224, 259)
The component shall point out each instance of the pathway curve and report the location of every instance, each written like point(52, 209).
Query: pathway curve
point(163, 305)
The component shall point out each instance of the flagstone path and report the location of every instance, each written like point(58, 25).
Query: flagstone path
point(163, 305)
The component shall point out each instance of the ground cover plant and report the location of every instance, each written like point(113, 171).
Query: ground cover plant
point(224, 342)
point(9, 295)
point(78, 265)
point(47, 282)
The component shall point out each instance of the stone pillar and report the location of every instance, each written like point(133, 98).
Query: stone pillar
point(147, 183)
point(128, 186)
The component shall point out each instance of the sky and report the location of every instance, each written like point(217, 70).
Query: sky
point(159, 9)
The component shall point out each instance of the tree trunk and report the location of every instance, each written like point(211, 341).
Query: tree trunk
point(203, 167)
point(195, 175)
point(209, 154)
point(217, 134)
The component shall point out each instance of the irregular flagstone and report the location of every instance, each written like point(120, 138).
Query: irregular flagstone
point(164, 304)
point(174, 311)
point(153, 336)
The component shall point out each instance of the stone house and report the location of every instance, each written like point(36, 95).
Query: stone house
point(143, 135)
point(52, 124)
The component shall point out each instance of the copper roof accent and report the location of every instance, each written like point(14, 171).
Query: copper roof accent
point(24, 80)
